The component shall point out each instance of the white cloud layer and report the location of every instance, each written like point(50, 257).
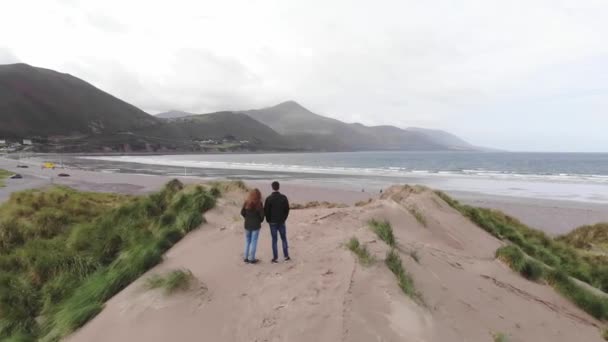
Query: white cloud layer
point(518, 74)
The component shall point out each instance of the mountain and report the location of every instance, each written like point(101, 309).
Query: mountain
point(216, 126)
point(316, 132)
point(41, 102)
point(173, 114)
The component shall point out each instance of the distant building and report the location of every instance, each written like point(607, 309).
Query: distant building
point(27, 141)
point(2, 142)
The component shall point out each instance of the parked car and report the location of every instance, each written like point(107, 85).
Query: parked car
point(22, 166)
point(63, 175)
point(16, 176)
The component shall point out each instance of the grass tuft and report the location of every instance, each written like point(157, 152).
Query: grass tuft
point(365, 258)
point(418, 215)
point(605, 334)
point(171, 282)
point(500, 337)
point(384, 231)
point(3, 175)
point(405, 281)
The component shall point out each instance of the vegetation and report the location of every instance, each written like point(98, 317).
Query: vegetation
point(63, 253)
point(555, 253)
point(605, 334)
point(384, 231)
point(539, 257)
point(405, 281)
point(500, 337)
point(3, 175)
point(592, 238)
point(418, 215)
point(365, 258)
point(171, 282)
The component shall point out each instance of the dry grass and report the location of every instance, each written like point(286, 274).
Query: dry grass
point(176, 280)
point(418, 215)
point(365, 258)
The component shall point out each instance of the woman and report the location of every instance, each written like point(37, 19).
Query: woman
point(253, 212)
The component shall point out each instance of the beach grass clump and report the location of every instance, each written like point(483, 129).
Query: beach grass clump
point(519, 262)
point(384, 231)
point(605, 333)
point(500, 337)
point(414, 211)
point(63, 252)
point(363, 255)
point(3, 175)
point(593, 238)
point(404, 279)
point(173, 281)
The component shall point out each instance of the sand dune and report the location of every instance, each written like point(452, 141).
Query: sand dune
point(324, 294)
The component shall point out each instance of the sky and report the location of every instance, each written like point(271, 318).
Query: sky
point(521, 75)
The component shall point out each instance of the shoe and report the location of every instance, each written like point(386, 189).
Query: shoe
point(246, 261)
point(254, 261)
point(274, 261)
point(287, 258)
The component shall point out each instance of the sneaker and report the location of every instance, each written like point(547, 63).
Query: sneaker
point(274, 261)
point(287, 258)
point(246, 261)
point(254, 261)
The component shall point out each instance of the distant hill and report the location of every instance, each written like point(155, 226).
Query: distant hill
point(173, 114)
point(65, 113)
point(317, 132)
point(217, 126)
point(41, 102)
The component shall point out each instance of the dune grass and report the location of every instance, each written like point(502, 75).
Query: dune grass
point(363, 255)
point(592, 238)
point(556, 253)
point(173, 281)
point(605, 334)
point(414, 211)
point(538, 257)
point(500, 337)
point(3, 175)
point(63, 253)
point(384, 231)
point(404, 280)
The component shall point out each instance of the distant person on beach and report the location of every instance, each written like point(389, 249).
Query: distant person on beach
point(276, 209)
point(253, 212)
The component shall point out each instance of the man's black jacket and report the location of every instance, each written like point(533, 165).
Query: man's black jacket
point(276, 208)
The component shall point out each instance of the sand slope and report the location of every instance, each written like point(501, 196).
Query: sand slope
point(325, 295)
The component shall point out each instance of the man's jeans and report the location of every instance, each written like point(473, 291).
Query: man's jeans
point(280, 228)
point(251, 243)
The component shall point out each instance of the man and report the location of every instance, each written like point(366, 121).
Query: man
point(276, 210)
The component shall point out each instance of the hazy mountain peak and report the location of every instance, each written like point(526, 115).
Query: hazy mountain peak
point(291, 106)
point(173, 113)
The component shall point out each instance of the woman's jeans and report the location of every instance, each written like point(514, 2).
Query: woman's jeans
point(251, 243)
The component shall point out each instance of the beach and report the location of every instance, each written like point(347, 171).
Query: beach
point(550, 215)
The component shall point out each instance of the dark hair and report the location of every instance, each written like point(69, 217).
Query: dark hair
point(275, 186)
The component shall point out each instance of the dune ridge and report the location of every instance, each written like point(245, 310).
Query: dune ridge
point(325, 294)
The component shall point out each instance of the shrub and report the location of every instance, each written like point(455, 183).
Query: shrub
point(384, 231)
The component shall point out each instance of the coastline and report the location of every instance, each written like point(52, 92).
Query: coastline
point(552, 216)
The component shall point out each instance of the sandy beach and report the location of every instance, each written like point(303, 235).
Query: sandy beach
point(552, 216)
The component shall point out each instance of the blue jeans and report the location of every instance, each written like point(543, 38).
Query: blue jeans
point(251, 243)
point(280, 228)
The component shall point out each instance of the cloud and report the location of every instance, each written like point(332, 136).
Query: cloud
point(7, 56)
point(462, 66)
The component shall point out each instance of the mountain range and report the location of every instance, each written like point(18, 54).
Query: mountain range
point(62, 112)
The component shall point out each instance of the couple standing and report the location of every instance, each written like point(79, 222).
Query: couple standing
point(275, 210)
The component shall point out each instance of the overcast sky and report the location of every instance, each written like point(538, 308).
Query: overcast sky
point(516, 74)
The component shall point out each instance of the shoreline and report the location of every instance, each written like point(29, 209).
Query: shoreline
point(552, 216)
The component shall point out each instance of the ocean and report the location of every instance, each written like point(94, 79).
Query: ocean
point(566, 176)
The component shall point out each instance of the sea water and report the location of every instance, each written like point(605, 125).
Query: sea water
point(569, 176)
